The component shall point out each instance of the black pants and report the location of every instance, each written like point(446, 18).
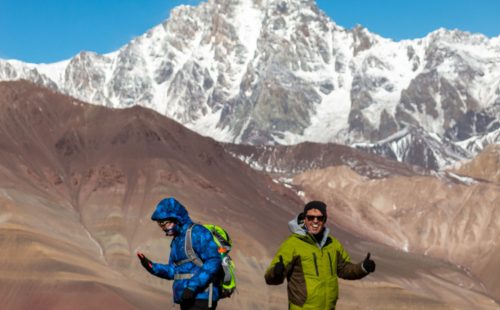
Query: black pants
point(198, 304)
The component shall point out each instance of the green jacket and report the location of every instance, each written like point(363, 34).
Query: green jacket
point(312, 269)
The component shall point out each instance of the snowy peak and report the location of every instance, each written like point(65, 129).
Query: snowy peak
point(417, 146)
point(282, 72)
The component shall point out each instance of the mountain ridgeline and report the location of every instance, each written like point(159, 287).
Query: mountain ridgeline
point(282, 72)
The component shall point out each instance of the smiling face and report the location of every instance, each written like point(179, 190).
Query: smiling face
point(314, 221)
point(168, 226)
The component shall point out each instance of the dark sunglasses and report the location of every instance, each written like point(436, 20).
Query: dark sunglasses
point(321, 218)
point(165, 222)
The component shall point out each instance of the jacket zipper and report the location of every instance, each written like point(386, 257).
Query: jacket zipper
point(316, 264)
point(330, 259)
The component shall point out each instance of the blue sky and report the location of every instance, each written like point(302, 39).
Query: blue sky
point(51, 30)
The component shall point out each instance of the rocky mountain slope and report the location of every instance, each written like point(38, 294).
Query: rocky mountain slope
point(281, 71)
point(485, 166)
point(77, 188)
point(286, 161)
point(79, 182)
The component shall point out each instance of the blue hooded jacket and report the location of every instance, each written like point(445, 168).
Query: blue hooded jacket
point(204, 246)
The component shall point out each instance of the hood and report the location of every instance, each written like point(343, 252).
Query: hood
point(171, 208)
point(296, 226)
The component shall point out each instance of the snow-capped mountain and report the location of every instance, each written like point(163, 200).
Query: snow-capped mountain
point(281, 71)
point(419, 147)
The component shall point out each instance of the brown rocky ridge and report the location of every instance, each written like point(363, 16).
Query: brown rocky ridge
point(78, 184)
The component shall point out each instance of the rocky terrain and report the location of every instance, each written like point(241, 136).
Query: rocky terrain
point(78, 183)
point(78, 186)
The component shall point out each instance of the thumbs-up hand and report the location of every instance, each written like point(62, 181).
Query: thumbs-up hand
point(279, 268)
point(368, 264)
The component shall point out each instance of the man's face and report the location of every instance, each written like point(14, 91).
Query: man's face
point(314, 221)
point(167, 226)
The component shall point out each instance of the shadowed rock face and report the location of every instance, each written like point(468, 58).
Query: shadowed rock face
point(287, 161)
point(78, 184)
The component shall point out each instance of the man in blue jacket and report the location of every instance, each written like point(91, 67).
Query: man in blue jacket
point(193, 286)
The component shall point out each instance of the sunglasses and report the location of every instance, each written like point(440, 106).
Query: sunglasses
point(165, 222)
point(320, 218)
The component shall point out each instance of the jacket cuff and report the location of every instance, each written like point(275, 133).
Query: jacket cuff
point(153, 269)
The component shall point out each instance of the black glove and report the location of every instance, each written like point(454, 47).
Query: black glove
point(368, 264)
point(187, 296)
point(279, 268)
point(145, 262)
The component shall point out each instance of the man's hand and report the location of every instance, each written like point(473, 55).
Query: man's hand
point(279, 268)
point(368, 264)
point(145, 262)
point(187, 296)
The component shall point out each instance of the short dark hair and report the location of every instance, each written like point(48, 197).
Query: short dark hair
point(316, 204)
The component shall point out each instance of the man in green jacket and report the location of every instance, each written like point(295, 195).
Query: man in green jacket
point(312, 260)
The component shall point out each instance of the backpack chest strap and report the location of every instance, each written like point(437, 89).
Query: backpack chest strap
point(188, 248)
point(183, 276)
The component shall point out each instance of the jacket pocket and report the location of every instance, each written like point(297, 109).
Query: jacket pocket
point(316, 264)
point(331, 264)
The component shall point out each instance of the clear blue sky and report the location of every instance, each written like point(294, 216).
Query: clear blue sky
point(51, 30)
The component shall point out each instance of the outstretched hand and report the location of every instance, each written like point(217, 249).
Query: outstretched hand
point(145, 262)
point(368, 264)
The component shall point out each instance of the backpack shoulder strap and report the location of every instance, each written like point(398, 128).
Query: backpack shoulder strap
point(190, 252)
